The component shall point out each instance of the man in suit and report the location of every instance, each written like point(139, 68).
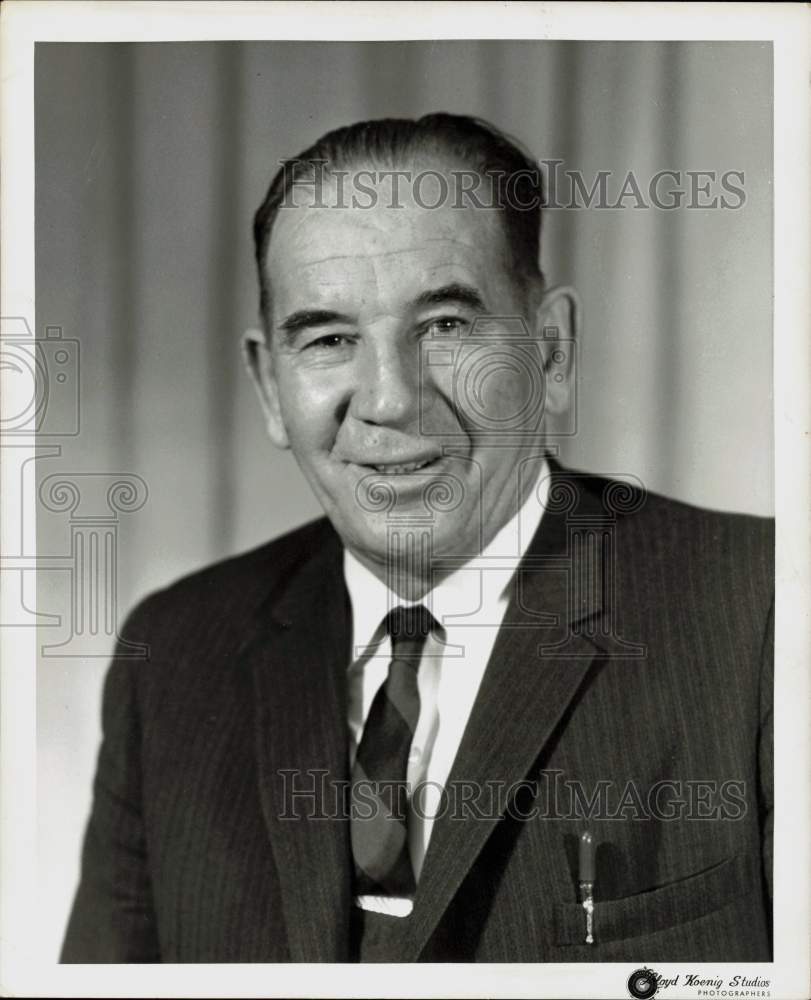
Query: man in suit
point(383, 736)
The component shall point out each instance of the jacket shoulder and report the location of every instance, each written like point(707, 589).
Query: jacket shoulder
point(698, 559)
point(679, 543)
point(230, 590)
point(631, 502)
point(687, 524)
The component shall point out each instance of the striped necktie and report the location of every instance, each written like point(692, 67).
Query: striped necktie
point(379, 825)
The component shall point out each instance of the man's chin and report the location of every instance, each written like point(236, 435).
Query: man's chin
point(413, 544)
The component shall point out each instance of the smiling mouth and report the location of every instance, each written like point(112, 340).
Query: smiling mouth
point(400, 468)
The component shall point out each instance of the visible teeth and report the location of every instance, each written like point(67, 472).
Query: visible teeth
point(407, 467)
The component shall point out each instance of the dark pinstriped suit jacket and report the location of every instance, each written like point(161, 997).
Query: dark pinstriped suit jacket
point(187, 858)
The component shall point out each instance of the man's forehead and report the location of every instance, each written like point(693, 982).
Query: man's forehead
point(325, 236)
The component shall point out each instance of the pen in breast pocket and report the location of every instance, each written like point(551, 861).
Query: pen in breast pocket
point(586, 876)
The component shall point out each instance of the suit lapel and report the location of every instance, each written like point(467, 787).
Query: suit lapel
point(298, 659)
point(532, 676)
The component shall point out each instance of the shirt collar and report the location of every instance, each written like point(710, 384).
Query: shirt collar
point(372, 600)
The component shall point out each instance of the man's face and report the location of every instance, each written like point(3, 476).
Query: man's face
point(360, 298)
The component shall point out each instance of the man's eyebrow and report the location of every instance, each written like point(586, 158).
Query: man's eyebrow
point(464, 295)
point(303, 319)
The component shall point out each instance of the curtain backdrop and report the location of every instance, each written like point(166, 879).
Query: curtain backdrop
point(151, 159)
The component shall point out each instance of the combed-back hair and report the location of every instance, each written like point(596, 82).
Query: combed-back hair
point(516, 184)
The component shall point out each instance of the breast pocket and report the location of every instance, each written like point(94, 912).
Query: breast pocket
point(660, 908)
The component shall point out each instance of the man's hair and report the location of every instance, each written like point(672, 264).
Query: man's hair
point(515, 178)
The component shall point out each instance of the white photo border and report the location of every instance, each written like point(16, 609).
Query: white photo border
point(22, 971)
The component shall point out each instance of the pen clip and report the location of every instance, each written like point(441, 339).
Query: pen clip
point(586, 875)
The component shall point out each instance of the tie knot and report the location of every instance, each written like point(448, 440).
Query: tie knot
point(409, 628)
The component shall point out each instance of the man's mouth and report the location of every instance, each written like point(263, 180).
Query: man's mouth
point(399, 468)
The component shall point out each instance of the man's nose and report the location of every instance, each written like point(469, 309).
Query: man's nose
point(387, 390)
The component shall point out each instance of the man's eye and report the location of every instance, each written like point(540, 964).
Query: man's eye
point(328, 341)
point(447, 324)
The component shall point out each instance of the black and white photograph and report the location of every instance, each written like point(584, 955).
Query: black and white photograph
point(405, 496)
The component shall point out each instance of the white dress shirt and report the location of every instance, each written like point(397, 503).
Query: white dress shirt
point(469, 605)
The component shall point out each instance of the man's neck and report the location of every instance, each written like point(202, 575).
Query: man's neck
point(404, 582)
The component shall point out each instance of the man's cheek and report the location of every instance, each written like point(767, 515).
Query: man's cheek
point(438, 414)
point(312, 432)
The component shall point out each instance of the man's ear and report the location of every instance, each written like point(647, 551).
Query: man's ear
point(558, 327)
point(259, 363)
